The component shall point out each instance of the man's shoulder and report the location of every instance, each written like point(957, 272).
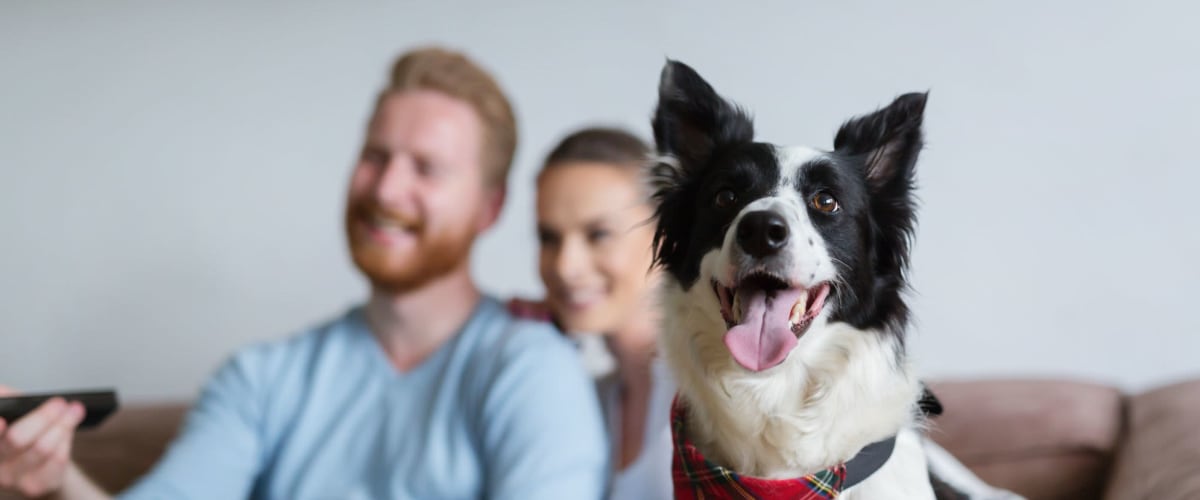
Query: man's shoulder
point(503, 346)
point(527, 363)
point(301, 344)
point(264, 369)
point(511, 336)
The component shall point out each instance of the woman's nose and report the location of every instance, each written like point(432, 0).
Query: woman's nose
point(571, 260)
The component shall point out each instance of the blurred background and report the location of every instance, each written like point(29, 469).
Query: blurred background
point(172, 175)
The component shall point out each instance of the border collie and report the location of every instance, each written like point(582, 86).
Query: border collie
point(784, 315)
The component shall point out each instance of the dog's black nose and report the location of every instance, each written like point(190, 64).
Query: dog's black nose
point(762, 233)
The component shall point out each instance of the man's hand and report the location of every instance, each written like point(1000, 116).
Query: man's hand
point(35, 451)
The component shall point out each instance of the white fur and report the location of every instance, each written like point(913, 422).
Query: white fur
point(792, 159)
point(904, 476)
point(807, 413)
point(953, 472)
point(805, 258)
point(794, 419)
point(839, 389)
point(665, 171)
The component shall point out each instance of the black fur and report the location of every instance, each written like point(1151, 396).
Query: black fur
point(929, 404)
point(711, 139)
point(883, 147)
point(709, 143)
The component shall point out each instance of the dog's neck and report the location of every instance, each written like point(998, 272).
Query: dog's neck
point(839, 390)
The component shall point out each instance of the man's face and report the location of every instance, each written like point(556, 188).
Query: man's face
point(417, 197)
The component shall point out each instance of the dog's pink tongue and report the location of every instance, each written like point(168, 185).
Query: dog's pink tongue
point(764, 338)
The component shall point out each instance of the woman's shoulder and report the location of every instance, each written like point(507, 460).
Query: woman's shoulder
point(530, 309)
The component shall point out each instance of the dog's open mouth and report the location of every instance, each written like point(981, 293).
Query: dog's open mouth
point(766, 316)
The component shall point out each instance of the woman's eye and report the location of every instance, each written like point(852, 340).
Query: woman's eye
point(547, 238)
point(725, 199)
point(824, 202)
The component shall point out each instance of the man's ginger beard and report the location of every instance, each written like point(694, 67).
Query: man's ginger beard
point(434, 256)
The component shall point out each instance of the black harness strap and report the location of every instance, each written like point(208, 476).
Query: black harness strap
point(867, 461)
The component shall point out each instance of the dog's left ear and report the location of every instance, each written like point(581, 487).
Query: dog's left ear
point(888, 142)
point(890, 138)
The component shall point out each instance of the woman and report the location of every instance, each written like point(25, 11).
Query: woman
point(595, 235)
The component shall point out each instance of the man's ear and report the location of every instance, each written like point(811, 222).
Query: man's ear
point(493, 204)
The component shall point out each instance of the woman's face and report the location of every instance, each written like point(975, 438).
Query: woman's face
point(595, 238)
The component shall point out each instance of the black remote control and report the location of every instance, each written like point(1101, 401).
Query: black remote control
point(98, 403)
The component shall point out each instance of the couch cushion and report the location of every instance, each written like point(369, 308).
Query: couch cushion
point(128, 444)
point(125, 447)
point(1044, 439)
point(1160, 458)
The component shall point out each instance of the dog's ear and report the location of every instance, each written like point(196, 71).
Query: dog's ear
point(890, 139)
point(888, 142)
point(691, 120)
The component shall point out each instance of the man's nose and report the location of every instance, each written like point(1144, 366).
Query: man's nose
point(396, 181)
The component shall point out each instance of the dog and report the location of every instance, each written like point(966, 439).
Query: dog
point(783, 305)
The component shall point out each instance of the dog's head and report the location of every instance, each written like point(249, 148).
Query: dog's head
point(783, 238)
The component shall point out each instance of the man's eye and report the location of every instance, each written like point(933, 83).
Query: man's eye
point(424, 167)
point(374, 156)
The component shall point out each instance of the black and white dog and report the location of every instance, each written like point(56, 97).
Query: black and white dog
point(783, 308)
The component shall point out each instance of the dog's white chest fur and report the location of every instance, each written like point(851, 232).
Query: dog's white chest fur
point(840, 390)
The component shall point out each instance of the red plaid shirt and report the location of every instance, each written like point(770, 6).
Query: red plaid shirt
point(696, 478)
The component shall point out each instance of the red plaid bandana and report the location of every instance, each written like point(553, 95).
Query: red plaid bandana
point(696, 478)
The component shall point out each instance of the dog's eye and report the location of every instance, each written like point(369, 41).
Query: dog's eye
point(824, 202)
point(725, 198)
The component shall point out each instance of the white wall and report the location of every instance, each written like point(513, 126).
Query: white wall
point(171, 176)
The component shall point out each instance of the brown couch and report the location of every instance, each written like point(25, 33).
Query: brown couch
point(1045, 439)
point(1054, 439)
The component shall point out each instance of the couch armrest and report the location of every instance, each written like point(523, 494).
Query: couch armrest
point(1043, 439)
point(1160, 457)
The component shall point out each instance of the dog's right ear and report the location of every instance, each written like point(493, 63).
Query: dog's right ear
point(691, 120)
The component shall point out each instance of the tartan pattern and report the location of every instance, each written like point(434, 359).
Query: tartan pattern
point(695, 478)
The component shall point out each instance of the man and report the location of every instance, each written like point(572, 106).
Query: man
point(428, 390)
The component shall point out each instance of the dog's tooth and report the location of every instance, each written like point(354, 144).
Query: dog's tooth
point(736, 307)
point(798, 309)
